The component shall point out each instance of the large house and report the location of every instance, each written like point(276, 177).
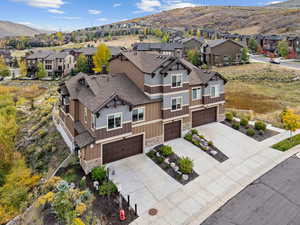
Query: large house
point(55, 63)
point(222, 52)
point(6, 55)
point(146, 100)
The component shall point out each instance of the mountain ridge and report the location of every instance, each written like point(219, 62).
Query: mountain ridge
point(10, 29)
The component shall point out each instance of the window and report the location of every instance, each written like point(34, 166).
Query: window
point(176, 103)
point(114, 121)
point(48, 67)
point(176, 80)
point(138, 114)
point(196, 93)
point(214, 91)
point(85, 115)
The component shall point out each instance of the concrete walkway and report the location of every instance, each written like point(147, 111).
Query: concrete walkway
point(216, 184)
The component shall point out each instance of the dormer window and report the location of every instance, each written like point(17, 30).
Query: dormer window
point(176, 80)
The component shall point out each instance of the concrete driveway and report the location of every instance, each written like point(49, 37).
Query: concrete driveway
point(143, 180)
point(150, 187)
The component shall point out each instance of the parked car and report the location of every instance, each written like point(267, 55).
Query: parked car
point(275, 61)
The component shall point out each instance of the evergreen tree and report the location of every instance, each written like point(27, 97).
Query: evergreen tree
point(82, 64)
point(283, 49)
point(253, 44)
point(245, 55)
point(41, 72)
point(193, 57)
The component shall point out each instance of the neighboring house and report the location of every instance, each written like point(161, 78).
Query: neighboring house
point(55, 63)
point(174, 49)
point(59, 64)
point(222, 52)
point(294, 45)
point(270, 43)
point(6, 56)
point(33, 58)
point(192, 43)
point(89, 52)
point(146, 100)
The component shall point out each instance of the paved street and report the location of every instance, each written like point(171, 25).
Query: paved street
point(263, 59)
point(150, 187)
point(273, 199)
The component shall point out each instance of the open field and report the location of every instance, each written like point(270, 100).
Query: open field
point(265, 89)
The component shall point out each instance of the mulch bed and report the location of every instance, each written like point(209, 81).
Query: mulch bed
point(166, 167)
point(258, 137)
point(104, 208)
point(219, 156)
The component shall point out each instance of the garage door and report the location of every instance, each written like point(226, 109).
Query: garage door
point(122, 149)
point(172, 130)
point(205, 116)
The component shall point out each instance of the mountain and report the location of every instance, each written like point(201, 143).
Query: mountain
point(287, 4)
point(243, 20)
point(14, 29)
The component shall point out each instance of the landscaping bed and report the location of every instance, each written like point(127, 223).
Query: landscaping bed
point(206, 146)
point(105, 204)
point(287, 143)
point(181, 169)
point(259, 131)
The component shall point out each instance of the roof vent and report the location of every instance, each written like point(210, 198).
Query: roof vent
point(81, 81)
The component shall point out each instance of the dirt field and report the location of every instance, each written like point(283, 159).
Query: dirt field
point(265, 89)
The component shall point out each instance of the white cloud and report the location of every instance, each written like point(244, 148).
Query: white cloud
point(43, 3)
point(102, 19)
point(56, 11)
point(69, 18)
point(158, 5)
point(94, 12)
point(117, 5)
point(24, 23)
point(274, 2)
point(148, 5)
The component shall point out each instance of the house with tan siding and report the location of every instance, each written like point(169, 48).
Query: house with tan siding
point(145, 100)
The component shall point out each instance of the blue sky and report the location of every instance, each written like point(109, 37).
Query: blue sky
point(68, 15)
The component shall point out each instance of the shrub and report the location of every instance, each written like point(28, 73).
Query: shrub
point(107, 188)
point(250, 132)
point(236, 125)
point(185, 165)
point(151, 154)
point(99, 173)
point(188, 137)
point(261, 132)
point(210, 143)
point(80, 208)
point(82, 183)
point(166, 150)
point(78, 221)
point(159, 160)
point(229, 116)
point(259, 125)
point(196, 142)
point(194, 131)
point(244, 122)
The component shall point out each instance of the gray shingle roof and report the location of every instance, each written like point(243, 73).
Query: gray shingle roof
point(214, 43)
point(146, 62)
point(98, 89)
point(157, 46)
point(40, 55)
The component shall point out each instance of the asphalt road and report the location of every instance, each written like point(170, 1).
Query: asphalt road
point(263, 59)
point(273, 199)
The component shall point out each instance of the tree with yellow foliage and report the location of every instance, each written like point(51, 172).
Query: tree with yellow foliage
point(291, 121)
point(101, 58)
point(23, 68)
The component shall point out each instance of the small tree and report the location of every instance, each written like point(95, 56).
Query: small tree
point(193, 57)
point(23, 68)
point(283, 49)
point(245, 55)
point(198, 34)
point(101, 58)
point(41, 72)
point(291, 121)
point(82, 64)
point(253, 44)
point(165, 38)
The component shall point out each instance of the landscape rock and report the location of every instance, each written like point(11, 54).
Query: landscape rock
point(185, 177)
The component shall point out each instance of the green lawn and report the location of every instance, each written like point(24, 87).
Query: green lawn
point(287, 143)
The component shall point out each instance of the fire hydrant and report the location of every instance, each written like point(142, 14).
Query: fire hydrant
point(122, 215)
